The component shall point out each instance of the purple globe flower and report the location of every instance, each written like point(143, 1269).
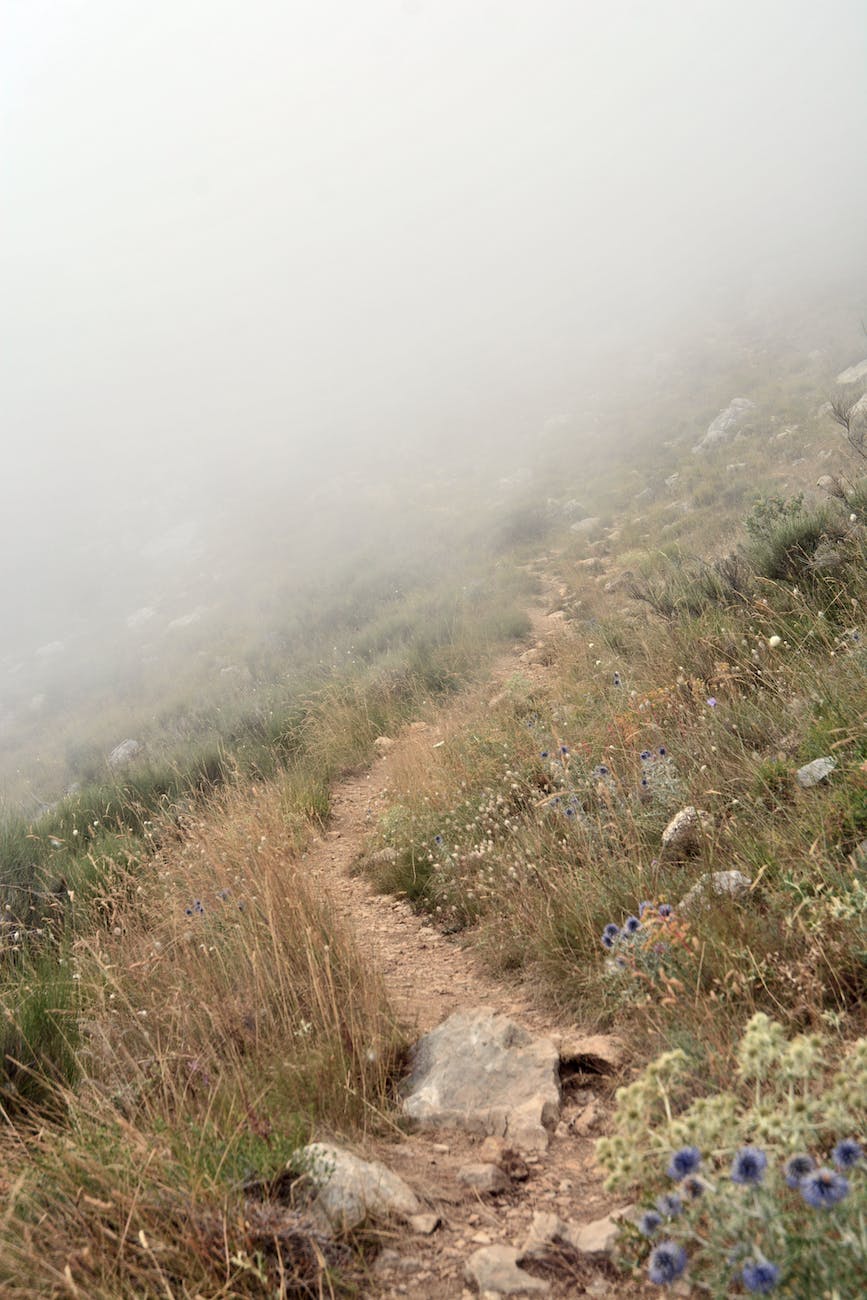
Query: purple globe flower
point(824, 1189)
point(748, 1166)
point(846, 1154)
point(685, 1161)
point(797, 1168)
point(649, 1222)
point(666, 1263)
point(665, 909)
point(631, 924)
point(760, 1276)
point(670, 1205)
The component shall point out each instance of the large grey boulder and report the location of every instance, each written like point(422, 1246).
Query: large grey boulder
point(124, 754)
point(349, 1190)
point(481, 1072)
point(729, 422)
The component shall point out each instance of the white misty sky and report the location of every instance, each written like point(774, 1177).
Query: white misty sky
point(240, 239)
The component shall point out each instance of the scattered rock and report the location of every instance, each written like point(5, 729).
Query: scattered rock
point(124, 753)
point(812, 773)
point(593, 1239)
point(725, 884)
point(727, 424)
point(686, 830)
point(495, 1268)
point(487, 1180)
point(383, 744)
point(482, 1072)
point(350, 1190)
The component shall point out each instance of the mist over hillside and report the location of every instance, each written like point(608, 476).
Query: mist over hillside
point(296, 294)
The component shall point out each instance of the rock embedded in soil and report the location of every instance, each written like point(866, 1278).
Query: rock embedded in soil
point(495, 1269)
point(350, 1190)
point(812, 773)
point(592, 1053)
point(485, 1179)
point(482, 1072)
point(719, 884)
point(595, 1239)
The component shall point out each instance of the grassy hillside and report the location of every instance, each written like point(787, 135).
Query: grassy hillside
point(163, 953)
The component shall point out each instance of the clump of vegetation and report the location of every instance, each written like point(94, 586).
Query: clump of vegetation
point(758, 1188)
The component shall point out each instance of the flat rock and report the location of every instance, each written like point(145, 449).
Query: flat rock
point(686, 830)
point(592, 1053)
point(482, 1072)
point(715, 884)
point(729, 422)
point(854, 374)
point(495, 1269)
point(595, 1239)
point(350, 1190)
point(124, 754)
point(812, 773)
point(485, 1179)
point(424, 1224)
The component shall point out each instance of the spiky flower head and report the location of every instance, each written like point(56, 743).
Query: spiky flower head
point(748, 1166)
point(760, 1276)
point(824, 1189)
point(684, 1162)
point(666, 1263)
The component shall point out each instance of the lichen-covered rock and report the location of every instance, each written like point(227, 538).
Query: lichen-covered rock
point(485, 1179)
point(729, 422)
point(349, 1190)
point(686, 830)
point(124, 753)
point(481, 1072)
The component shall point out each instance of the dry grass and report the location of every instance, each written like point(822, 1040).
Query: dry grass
point(226, 1013)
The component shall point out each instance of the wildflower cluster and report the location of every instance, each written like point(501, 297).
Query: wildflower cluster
point(650, 950)
point(756, 1189)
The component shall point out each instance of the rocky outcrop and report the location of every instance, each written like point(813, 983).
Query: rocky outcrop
point(481, 1072)
point(812, 773)
point(729, 422)
point(716, 884)
point(686, 831)
point(124, 754)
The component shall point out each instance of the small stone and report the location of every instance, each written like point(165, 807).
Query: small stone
point(495, 1269)
point(481, 1239)
point(424, 1224)
point(486, 1180)
point(350, 1190)
point(587, 1120)
point(596, 1238)
point(812, 773)
point(383, 744)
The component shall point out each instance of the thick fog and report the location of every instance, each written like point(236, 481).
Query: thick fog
point(254, 249)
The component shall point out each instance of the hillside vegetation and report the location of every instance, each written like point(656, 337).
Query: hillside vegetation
point(182, 1010)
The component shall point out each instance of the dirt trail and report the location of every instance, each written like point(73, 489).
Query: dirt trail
point(428, 976)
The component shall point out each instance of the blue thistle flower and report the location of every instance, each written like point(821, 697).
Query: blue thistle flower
point(662, 752)
point(666, 1263)
point(631, 924)
point(602, 770)
point(693, 1187)
point(649, 1222)
point(760, 1276)
point(665, 909)
point(748, 1166)
point(645, 756)
point(796, 1168)
point(570, 812)
point(642, 907)
point(438, 839)
point(846, 1154)
point(607, 941)
point(544, 753)
point(564, 749)
point(611, 930)
point(645, 784)
point(670, 1205)
point(685, 1161)
point(188, 911)
point(824, 1188)
point(617, 679)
